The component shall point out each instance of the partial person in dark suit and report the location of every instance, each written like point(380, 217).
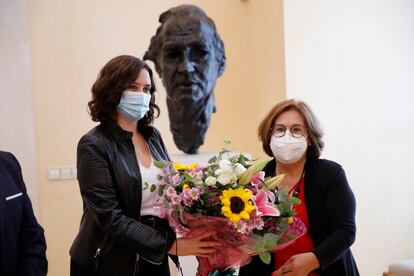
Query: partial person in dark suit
point(22, 240)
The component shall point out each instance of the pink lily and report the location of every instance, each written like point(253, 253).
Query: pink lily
point(257, 179)
point(264, 207)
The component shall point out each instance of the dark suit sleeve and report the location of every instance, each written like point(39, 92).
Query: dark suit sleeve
point(98, 193)
point(32, 245)
point(339, 208)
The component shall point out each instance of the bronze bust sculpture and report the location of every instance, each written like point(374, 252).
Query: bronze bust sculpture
point(189, 56)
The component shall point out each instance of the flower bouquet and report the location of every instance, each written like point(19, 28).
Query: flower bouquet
point(231, 196)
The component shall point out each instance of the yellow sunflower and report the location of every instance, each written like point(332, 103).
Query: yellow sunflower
point(178, 166)
point(236, 204)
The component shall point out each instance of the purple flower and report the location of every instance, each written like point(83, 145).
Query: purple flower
point(298, 228)
point(189, 196)
point(172, 196)
point(175, 179)
point(170, 192)
point(213, 200)
point(246, 227)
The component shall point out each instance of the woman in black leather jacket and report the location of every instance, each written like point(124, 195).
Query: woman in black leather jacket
point(121, 233)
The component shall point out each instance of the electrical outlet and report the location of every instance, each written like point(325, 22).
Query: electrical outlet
point(62, 173)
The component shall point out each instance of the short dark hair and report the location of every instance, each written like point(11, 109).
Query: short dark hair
point(114, 78)
point(191, 12)
point(312, 124)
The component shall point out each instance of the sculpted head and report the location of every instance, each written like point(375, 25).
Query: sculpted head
point(188, 54)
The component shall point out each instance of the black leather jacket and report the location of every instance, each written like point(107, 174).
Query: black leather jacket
point(111, 238)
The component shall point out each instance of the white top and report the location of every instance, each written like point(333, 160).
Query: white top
point(149, 200)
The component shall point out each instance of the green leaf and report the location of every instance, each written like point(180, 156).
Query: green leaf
point(159, 177)
point(223, 151)
point(295, 200)
point(265, 257)
point(153, 188)
point(160, 164)
point(212, 160)
point(161, 189)
point(282, 195)
point(269, 245)
point(259, 248)
point(270, 236)
point(259, 245)
point(145, 186)
point(243, 159)
point(270, 241)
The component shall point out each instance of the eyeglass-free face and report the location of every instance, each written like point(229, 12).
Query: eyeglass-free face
point(188, 60)
point(142, 83)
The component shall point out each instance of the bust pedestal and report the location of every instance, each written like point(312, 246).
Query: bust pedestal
point(188, 159)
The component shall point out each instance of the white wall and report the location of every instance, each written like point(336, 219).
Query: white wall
point(17, 134)
point(353, 62)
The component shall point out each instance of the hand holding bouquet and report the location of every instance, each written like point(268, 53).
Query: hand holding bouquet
point(231, 196)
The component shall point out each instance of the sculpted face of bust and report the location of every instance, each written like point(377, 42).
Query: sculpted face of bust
point(188, 61)
point(189, 57)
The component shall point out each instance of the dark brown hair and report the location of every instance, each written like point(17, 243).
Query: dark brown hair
point(314, 130)
point(114, 78)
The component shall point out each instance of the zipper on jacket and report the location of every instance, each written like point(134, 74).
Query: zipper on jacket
point(98, 252)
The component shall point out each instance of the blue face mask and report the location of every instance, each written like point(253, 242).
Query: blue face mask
point(134, 105)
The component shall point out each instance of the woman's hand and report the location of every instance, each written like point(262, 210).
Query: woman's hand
point(298, 265)
point(202, 246)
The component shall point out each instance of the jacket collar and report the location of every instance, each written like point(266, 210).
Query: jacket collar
point(270, 167)
point(146, 131)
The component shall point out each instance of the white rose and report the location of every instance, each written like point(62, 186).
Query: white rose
point(211, 181)
point(218, 172)
point(225, 165)
point(239, 169)
point(233, 177)
point(226, 178)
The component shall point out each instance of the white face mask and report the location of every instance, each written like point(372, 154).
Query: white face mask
point(288, 149)
point(134, 105)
